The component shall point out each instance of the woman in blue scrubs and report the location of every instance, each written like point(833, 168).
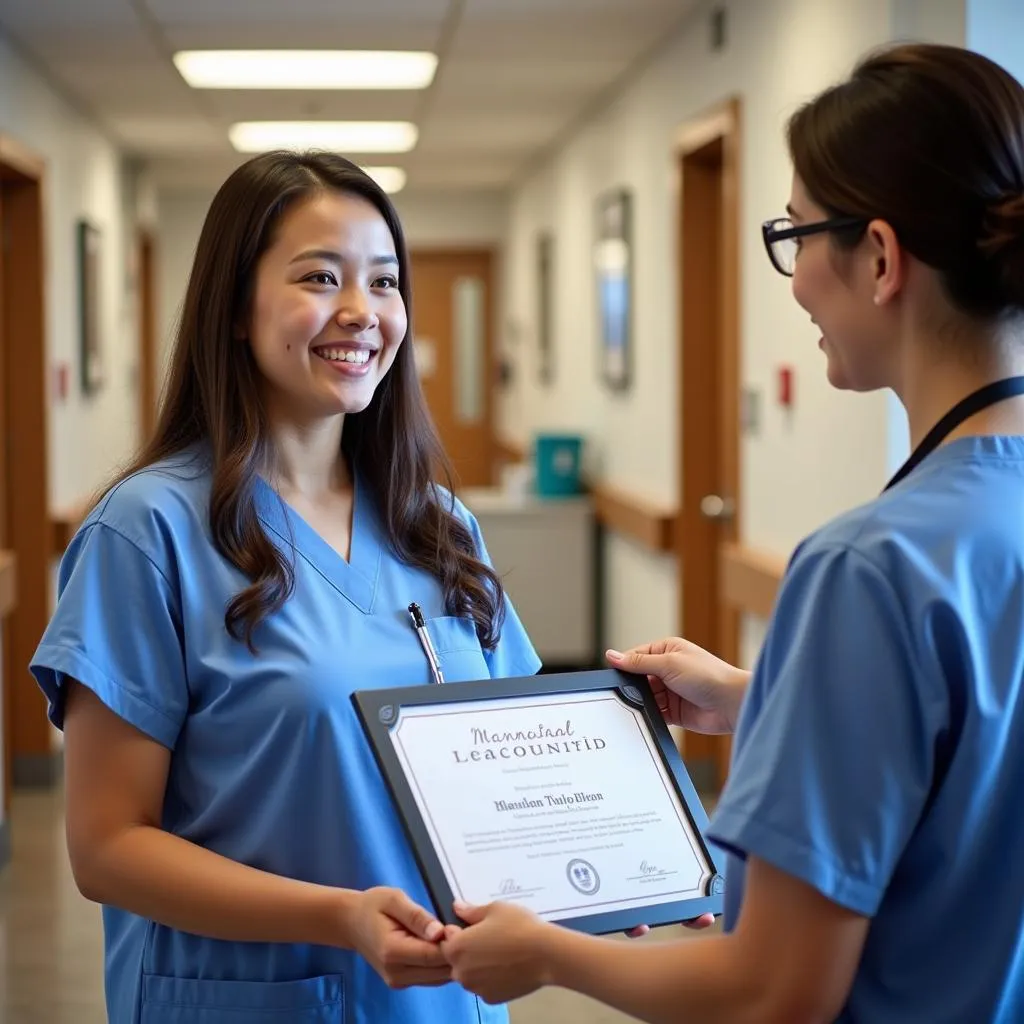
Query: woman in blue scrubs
point(226, 596)
point(874, 814)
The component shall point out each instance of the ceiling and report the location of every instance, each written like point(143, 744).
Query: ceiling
point(513, 76)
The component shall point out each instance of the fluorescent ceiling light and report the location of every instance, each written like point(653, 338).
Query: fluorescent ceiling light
point(391, 179)
point(305, 69)
point(340, 136)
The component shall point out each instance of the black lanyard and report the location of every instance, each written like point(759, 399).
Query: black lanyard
point(990, 394)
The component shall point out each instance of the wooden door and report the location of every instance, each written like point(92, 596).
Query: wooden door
point(4, 342)
point(28, 530)
point(6, 710)
point(709, 418)
point(452, 305)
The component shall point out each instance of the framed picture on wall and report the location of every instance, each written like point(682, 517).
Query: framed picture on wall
point(90, 344)
point(545, 311)
point(613, 265)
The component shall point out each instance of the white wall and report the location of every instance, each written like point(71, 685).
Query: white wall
point(831, 450)
point(179, 220)
point(85, 178)
point(936, 21)
point(453, 219)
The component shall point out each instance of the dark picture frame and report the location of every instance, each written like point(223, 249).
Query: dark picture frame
point(545, 308)
point(89, 245)
point(380, 712)
point(613, 268)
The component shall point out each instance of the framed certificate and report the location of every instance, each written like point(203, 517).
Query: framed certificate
point(562, 792)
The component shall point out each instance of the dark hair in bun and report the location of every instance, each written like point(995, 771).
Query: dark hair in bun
point(1003, 245)
point(931, 140)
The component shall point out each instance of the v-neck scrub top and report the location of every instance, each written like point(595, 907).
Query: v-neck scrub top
point(269, 763)
point(878, 757)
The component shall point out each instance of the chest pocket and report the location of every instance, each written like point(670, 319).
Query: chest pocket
point(458, 649)
point(191, 1001)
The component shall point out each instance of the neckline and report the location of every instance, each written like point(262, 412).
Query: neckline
point(984, 397)
point(971, 447)
point(356, 578)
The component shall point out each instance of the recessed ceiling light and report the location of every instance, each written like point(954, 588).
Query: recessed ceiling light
point(305, 69)
point(340, 136)
point(391, 179)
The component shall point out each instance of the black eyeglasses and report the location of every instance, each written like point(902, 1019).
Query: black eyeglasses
point(780, 237)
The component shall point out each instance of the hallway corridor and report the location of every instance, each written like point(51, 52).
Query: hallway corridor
point(51, 945)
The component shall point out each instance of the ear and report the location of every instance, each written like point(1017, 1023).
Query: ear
point(888, 261)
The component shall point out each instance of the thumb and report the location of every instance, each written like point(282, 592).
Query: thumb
point(640, 663)
point(413, 917)
point(468, 913)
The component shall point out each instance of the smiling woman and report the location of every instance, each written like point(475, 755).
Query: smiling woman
point(318, 262)
point(222, 803)
point(328, 321)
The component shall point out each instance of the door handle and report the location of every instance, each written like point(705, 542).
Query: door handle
point(715, 507)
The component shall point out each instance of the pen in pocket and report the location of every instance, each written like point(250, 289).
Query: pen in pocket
point(428, 648)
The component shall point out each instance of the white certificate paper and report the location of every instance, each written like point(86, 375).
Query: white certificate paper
point(561, 803)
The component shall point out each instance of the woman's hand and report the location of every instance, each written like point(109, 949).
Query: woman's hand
point(499, 957)
point(505, 952)
point(694, 689)
point(398, 938)
point(695, 923)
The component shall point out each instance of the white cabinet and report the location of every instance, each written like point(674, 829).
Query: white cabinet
point(544, 551)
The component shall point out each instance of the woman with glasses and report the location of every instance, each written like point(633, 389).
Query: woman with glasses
point(874, 813)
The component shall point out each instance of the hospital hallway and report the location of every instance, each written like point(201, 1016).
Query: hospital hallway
point(51, 945)
point(542, 348)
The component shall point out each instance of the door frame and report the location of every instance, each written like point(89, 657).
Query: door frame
point(711, 140)
point(146, 256)
point(28, 736)
point(491, 382)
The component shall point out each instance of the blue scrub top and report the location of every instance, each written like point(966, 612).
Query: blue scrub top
point(269, 764)
point(879, 756)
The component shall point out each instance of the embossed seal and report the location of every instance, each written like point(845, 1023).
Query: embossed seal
point(583, 876)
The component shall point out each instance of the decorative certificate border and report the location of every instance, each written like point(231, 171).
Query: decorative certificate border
point(381, 714)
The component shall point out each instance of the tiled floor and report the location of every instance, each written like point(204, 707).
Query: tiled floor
point(51, 948)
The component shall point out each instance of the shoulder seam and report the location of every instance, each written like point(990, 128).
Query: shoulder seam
point(133, 543)
point(847, 548)
point(156, 468)
point(825, 547)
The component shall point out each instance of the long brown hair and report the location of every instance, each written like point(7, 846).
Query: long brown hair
point(930, 139)
point(212, 396)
